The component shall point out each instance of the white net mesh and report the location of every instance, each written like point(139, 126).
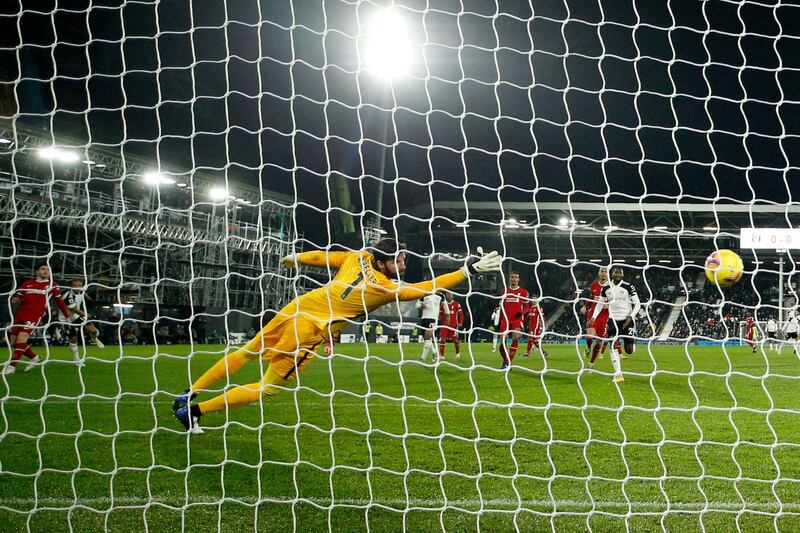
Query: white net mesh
point(168, 155)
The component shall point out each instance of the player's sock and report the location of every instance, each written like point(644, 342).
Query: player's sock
point(19, 351)
point(244, 394)
point(615, 362)
point(530, 345)
point(442, 346)
point(513, 350)
point(504, 353)
point(73, 349)
point(222, 368)
point(458, 347)
point(28, 352)
point(595, 353)
point(426, 349)
point(494, 344)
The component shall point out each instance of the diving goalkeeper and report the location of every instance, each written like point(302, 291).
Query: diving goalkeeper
point(365, 280)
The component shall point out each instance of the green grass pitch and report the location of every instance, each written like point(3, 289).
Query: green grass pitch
point(368, 443)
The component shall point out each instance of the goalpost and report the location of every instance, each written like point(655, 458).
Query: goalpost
point(169, 154)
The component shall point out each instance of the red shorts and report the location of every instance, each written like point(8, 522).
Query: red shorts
point(535, 330)
point(23, 327)
point(513, 325)
point(448, 333)
point(600, 325)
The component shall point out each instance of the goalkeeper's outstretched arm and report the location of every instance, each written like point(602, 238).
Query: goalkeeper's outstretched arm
point(320, 258)
point(491, 262)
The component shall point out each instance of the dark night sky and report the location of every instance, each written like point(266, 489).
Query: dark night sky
point(574, 99)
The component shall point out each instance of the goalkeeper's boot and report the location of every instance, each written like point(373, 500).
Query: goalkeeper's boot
point(183, 400)
point(190, 420)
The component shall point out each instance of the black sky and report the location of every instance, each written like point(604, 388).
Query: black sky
point(580, 99)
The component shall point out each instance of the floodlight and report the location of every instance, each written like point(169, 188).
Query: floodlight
point(387, 47)
point(218, 194)
point(157, 178)
point(57, 154)
point(5, 141)
point(563, 221)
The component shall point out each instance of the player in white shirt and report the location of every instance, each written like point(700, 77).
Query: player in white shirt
point(431, 306)
point(75, 300)
point(791, 330)
point(772, 334)
point(623, 305)
point(496, 324)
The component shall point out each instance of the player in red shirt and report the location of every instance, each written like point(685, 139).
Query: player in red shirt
point(596, 331)
point(513, 308)
point(450, 324)
point(536, 321)
point(750, 333)
point(32, 296)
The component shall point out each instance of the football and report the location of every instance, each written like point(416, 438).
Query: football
point(724, 268)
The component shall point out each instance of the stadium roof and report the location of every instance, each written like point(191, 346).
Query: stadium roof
point(608, 232)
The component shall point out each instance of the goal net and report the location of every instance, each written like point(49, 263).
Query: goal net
point(163, 158)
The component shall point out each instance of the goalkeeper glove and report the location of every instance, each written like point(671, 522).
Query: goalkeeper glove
point(289, 261)
point(491, 262)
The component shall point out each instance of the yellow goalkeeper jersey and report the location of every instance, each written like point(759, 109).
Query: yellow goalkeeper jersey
point(357, 288)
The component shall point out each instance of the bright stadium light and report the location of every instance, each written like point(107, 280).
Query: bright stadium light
point(218, 194)
point(387, 47)
point(3, 140)
point(710, 228)
point(57, 154)
point(563, 221)
point(660, 227)
point(156, 179)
